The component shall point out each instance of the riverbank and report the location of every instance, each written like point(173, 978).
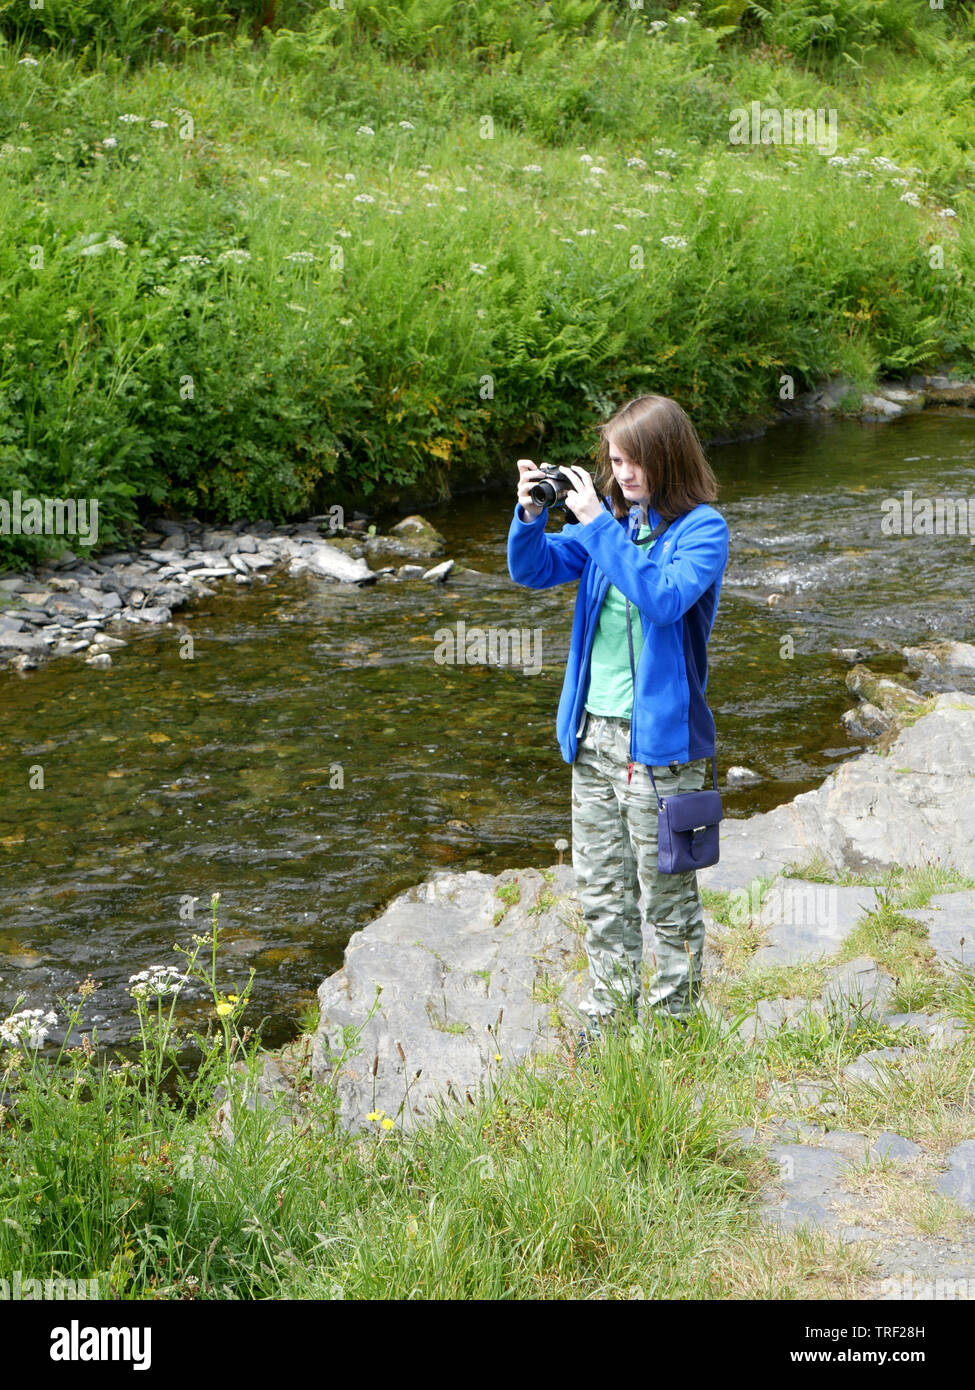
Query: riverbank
point(84, 607)
point(808, 1137)
point(380, 270)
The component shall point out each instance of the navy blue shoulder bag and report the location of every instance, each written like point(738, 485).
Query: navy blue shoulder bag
point(687, 822)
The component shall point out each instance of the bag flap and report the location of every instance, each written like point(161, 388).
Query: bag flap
point(688, 810)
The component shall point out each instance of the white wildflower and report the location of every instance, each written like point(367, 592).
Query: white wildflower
point(128, 118)
point(596, 170)
point(657, 25)
point(365, 130)
point(298, 308)
point(304, 256)
point(281, 173)
point(531, 168)
point(109, 142)
point(157, 980)
point(586, 158)
point(347, 322)
point(586, 231)
point(681, 19)
point(159, 125)
point(667, 154)
point(477, 269)
point(673, 241)
point(28, 1028)
point(900, 183)
point(28, 61)
point(407, 125)
point(910, 198)
point(947, 212)
point(635, 162)
point(363, 198)
point(235, 253)
point(342, 232)
point(195, 260)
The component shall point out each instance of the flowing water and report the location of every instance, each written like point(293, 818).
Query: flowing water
point(313, 758)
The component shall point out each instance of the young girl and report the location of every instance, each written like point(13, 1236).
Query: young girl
point(652, 463)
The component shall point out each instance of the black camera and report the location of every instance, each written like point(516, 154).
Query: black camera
point(552, 490)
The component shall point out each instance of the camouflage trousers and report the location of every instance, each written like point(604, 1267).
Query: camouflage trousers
point(614, 855)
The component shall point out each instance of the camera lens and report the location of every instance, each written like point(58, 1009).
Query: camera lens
point(543, 494)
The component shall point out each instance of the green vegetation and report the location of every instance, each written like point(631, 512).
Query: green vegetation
point(128, 1174)
point(298, 255)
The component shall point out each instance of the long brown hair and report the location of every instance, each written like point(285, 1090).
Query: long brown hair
point(655, 434)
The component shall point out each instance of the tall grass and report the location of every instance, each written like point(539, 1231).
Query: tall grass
point(357, 265)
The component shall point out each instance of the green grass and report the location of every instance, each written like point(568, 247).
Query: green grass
point(615, 1177)
point(260, 342)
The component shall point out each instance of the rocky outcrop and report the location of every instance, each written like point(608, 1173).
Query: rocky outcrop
point(468, 973)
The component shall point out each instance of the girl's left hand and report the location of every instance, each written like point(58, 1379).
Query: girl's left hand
point(583, 501)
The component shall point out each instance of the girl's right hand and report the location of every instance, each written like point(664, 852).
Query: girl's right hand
point(529, 474)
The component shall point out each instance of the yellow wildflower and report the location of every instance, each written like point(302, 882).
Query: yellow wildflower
point(223, 1008)
point(387, 1124)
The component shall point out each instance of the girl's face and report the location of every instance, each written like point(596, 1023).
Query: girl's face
point(629, 475)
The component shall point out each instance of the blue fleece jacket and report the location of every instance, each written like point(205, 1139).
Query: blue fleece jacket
point(674, 586)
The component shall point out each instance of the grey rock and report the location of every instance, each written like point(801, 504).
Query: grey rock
point(807, 920)
point(910, 1020)
point(795, 1131)
point(950, 920)
point(410, 571)
point(879, 408)
point(873, 1067)
point(101, 660)
point(447, 971)
point(24, 642)
point(946, 1032)
point(959, 1181)
point(418, 535)
point(742, 777)
point(866, 720)
point(858, 987)
point(439, 572)
point(807, 1171)
point(324, 559)
point(154, 614)
point(846, 1142)
point(889, 1145)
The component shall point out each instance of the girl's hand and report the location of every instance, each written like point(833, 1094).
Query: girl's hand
point(529, 473)
point(583, 500)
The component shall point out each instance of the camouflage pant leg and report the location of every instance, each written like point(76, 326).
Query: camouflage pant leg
point(605, 870)
point(672, 905)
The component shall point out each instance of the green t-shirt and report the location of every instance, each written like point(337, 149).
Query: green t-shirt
point(610, 683)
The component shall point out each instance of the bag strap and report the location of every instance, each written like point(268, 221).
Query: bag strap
point(658, 531)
